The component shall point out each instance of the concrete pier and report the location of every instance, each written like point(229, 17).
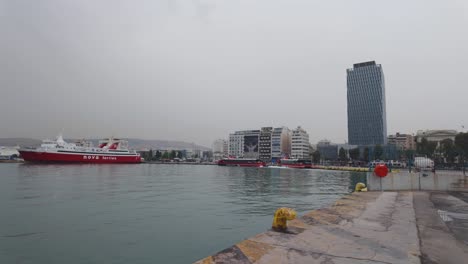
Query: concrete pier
point(403, 180)
point(372, 227)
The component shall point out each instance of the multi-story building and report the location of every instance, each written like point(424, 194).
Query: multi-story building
point(402, 141)
point(226, 148)
point(236, 145)
point(367, 121)
point(220, 149)
point(328, 151)
point(436, 135)
point(265, 143)
point(244, 144)
point(280, 143)
point(300, 144)
point(218, 146)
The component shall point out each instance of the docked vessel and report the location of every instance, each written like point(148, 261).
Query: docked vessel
point(242, 162)
point(111, 150)
point(296, 163)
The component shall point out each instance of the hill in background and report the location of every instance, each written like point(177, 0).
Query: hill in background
point(10, 142)
point(135, 143)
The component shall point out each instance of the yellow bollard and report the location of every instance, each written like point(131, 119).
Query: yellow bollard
point(281, 216)
point(360, 187)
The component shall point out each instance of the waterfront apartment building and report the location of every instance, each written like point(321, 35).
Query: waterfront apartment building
point(300, 144)
point(280, 143)
point(265, 143)
point(367, 121)
point(402, 141)
point(244, 144)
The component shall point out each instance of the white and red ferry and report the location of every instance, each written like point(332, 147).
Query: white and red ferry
point(111, 150)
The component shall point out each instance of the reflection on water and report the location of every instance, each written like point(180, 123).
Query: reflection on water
point(261, 191)
point(147, 213)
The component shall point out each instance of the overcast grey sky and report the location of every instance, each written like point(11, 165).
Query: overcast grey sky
point(198, 70)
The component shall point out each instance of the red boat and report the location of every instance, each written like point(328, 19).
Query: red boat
point(296, 163)
point(241, 162)
point(110, 150)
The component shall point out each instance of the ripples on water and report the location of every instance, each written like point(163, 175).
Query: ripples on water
point(147, 213)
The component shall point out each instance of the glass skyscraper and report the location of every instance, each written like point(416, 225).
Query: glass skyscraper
point(367, 120)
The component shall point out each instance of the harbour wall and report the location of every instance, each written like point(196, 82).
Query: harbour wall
point(417, 181)
point(367, 227)
point(388, 226)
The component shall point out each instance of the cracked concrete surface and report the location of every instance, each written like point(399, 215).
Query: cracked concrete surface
point(373, 227)
point(441, 242)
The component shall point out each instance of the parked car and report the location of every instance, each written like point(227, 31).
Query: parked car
point(395, 164)
point(372, 164)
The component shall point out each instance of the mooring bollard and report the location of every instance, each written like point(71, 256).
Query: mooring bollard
point(282, 215)
point(360, 187)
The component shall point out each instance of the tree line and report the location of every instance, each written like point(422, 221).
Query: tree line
point(157, 155)
point(446, 151)
point(166, 155)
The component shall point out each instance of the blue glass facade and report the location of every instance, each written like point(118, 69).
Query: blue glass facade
point(367, 119)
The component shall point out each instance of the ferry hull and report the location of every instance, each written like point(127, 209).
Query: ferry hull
point(297, 166)
point(242, 165)
point(293, 166)
point(53, 157)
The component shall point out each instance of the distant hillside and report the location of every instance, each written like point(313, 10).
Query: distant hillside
point(135, 143)
point(163, 144)
point(19, 142)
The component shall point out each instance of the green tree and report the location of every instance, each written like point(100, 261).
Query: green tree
point(165, 155)
point(408, 154)
point(172, 155)
point(342, 154)
point(149, 155)
point(158, 155)
point(179, 154)
point(447, 150)
point(378, 151)
point(461, 141)
point(316, 156)
point(354, 153)
point(366, 154)
point(426, 147)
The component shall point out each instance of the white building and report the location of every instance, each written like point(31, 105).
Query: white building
point(220, 149)
point(280, 142)
point(244, 144)
point(236, 145)
point(219, 146)
point(300, 144)
point(436, 135)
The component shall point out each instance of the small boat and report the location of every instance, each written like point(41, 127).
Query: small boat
point(296, 163)
point(111, 150)
point(241, 163)
point(277, 167)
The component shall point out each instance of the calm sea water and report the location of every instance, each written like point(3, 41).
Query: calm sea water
point(147, 213)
